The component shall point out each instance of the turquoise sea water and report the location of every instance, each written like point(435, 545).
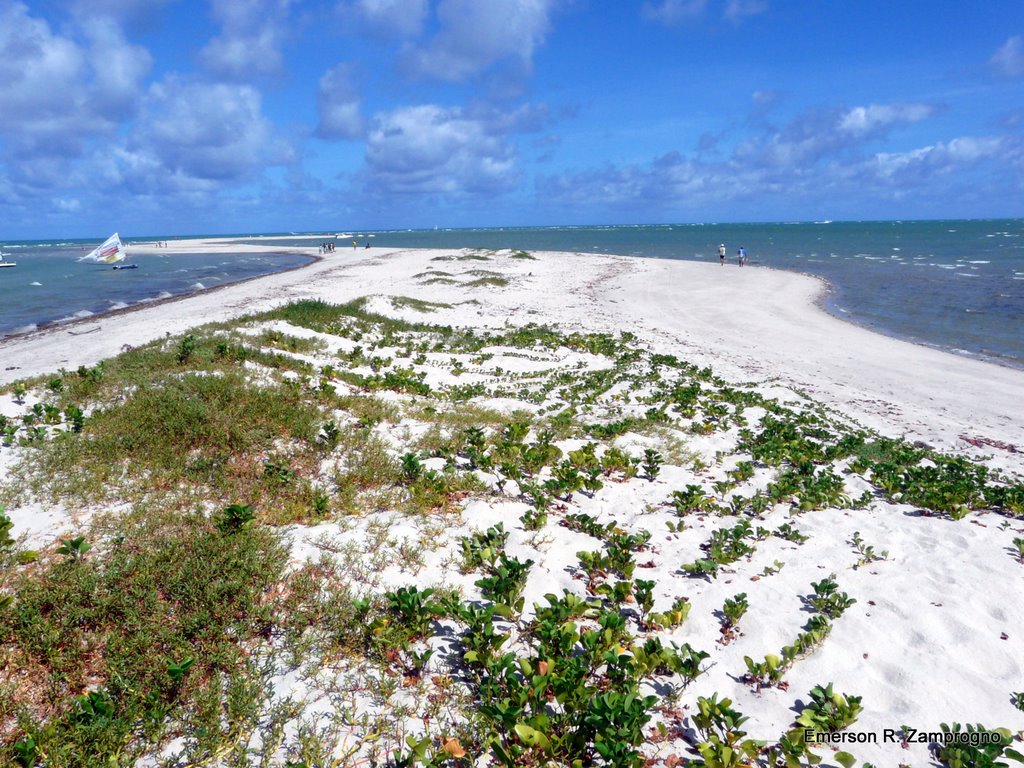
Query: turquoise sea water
point(957, 285)
point(49, 286)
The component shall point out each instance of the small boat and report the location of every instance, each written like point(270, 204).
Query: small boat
point(110, 251)
point(126, 266)
point(8, 263)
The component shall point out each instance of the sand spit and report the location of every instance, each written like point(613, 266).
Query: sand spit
point(931, 637)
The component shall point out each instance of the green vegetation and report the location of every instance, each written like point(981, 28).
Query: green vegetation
point(170, 620)
point(495, 281)
point(975, 746)
point(829, 710)
point(419, 305)
point(154, 628)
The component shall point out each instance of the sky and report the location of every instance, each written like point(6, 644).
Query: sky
point(175, 117)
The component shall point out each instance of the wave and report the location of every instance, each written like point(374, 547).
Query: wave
point(79, 315)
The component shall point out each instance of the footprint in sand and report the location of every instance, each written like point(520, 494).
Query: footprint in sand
point(997, 613)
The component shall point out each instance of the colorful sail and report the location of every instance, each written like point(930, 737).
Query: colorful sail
point(110, 251)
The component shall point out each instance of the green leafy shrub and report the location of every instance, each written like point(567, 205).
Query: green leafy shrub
point(505, 581)
point(411, 610)
point(975, 747)
point(866, 553)
point(716, 716)
point(828, 600)
point(74, 548)
point(482, 549)
point(829, 710)
point(692, 499)
point(652, 463)
point(734, 608)
point(234, 517)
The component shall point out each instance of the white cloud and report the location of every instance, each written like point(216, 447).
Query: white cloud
point(937, 159)
point(204, 131)
point(339, 105)
point(250, 45)
point(40, 72)
point(738, 10)
point(876, 118)
point(673, 12)
point(802, 165)
point(119, 68)
point(429, 149)
point(1008, 61)
point(386, 18)
point(814, 136)
point(476, 34)
point(55, 91)
point(71, 205)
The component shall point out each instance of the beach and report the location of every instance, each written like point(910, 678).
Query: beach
point(748, 323)
point(933, 633)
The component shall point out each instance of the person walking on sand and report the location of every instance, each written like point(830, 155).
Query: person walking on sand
point(742, 253)
point(721, 254)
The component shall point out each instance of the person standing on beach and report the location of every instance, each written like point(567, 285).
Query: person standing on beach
point(721, 254)
point(743, 255)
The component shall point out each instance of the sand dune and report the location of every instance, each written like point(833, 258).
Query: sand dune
point(934, 635)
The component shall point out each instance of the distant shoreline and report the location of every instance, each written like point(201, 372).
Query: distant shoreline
point(761, 319)
point(902, 279)
point(190, 246)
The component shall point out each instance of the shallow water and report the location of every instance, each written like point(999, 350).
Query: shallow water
point(957, 285)
point(49, 286)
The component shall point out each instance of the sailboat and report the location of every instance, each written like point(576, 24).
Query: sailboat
point(111, 251)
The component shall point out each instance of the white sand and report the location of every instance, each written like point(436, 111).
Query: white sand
point(748, 324)
point(924, 643)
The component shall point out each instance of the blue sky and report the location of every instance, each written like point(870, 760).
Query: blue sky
point(222, 116)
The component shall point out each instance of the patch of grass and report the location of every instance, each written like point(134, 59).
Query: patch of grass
point(323, 618)
point(417, 305)
point(482, 281)
point(369, 476)
point(310, 313)
point(522, 255)
point(204, 430)
point(441, 281)
point(120, 644)
point(368, 410)
point(278, 339)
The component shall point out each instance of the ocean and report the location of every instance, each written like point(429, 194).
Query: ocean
point(955, 285)
point(48, 286)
